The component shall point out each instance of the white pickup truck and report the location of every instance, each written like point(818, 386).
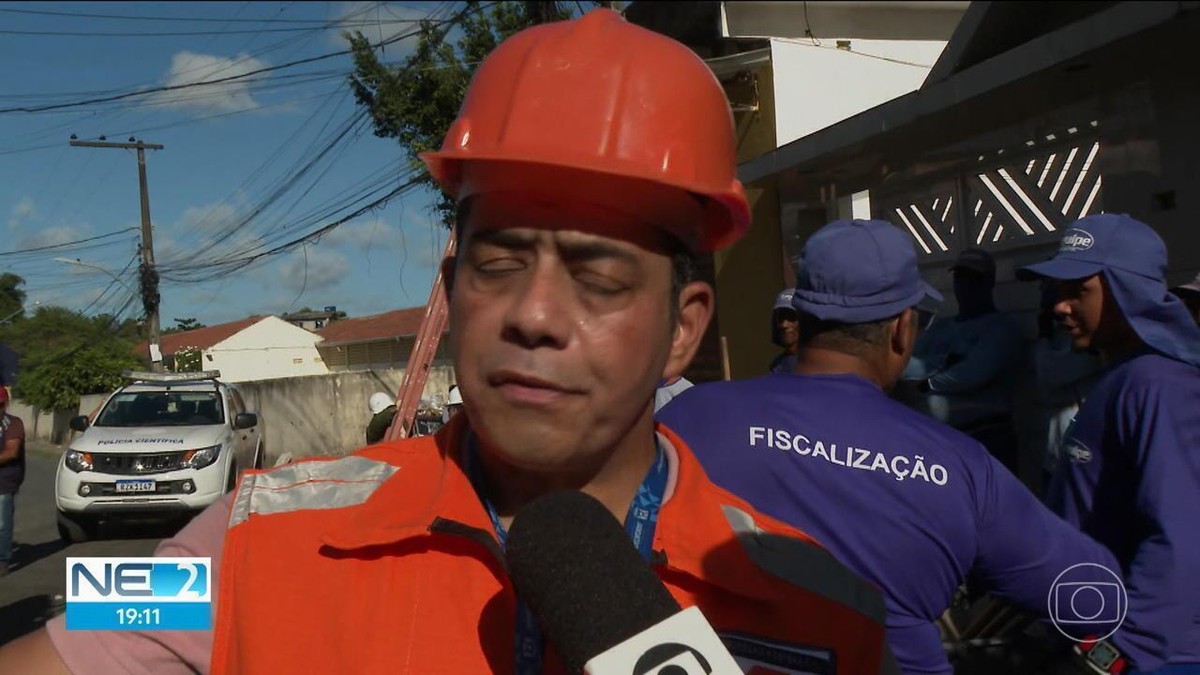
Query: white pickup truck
point(164, 444)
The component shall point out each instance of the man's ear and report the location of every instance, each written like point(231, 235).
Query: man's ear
point(696, 302)
point(903, 332)
point(449, 265)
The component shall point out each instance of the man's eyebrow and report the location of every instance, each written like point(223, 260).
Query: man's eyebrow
point(574, 250)
point(584, 251)
point(505, 238)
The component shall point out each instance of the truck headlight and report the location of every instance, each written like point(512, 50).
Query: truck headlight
point(78, 461)
point(198, 459)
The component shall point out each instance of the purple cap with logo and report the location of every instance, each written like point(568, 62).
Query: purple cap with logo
point(858, 271)
point(784, 299)
point(1133, 259)
point(1104, 241)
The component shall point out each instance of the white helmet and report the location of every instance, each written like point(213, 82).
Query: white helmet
point(455, 396)
point(378, 402)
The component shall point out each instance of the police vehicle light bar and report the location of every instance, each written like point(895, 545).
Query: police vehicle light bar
point(144, 376)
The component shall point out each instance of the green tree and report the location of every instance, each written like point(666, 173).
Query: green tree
point(64, 354)
point(416, 102)
point(58, 384)
point(188, 360)
point(183, 325)
point(12, 297)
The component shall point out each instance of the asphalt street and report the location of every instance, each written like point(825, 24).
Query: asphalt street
point(28, 593)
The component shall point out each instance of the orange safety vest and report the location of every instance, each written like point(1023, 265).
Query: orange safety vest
point(385, 561)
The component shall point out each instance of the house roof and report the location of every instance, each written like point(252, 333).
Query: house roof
point(989, 29)
point(386, 326)
point(307, 316)
point(202, 338)
point(1006, 89)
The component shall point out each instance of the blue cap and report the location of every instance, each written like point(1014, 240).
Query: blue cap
point(1133, 259)
point(976, 260)
point(1105, 241)
point(784, 299)
point(858, 271)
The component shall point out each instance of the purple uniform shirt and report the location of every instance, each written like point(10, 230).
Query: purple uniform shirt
point(1129, 476)
point(907, 502)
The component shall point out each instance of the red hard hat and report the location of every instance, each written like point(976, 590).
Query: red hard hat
point(587, 101)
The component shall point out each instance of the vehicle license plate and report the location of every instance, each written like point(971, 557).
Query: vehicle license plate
point(135, 486)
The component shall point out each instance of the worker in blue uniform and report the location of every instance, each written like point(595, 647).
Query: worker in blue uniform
point(1129, 472)
point(911, 504)
point(785, 332)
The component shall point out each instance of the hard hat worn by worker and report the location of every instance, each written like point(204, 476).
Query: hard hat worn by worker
point(379, 402)
point(527, 124)
point(455, 397)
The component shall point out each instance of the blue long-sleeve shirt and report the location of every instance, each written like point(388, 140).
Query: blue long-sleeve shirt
point(969, 366)
point(1129, 476)
point(908, 503)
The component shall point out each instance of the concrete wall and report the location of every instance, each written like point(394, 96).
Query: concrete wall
point(269, 349)
point(818, 86)
point(1153, 176)
point(325, 414)
point(306, 416)
point(750, 273)
point(52, 426)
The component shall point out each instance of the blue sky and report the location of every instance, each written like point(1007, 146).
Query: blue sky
point(228, 148)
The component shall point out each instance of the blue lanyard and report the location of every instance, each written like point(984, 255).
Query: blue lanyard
point(639, 523)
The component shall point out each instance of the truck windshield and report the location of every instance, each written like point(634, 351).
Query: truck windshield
point(162, 409)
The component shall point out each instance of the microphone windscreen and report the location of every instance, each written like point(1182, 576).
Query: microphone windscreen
point(575, 567)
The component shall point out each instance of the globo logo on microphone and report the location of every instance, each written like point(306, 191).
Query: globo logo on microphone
point(683, 644)
point(672, 658)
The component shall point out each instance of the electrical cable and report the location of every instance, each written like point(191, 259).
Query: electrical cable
point(231, 78)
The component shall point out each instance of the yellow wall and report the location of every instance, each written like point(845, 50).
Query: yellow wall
point(750, 274)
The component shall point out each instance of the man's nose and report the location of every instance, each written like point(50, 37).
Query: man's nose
point(541, 309)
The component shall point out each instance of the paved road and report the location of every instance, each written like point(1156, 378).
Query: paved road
point(39, 571)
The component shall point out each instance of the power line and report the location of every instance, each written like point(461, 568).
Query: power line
point(182, 33)
point(233, 63)
point(68, 244)
point(233, 78)
point(227, 267)
point(174, 18)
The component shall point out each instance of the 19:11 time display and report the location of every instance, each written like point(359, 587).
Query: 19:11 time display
point(129, 616)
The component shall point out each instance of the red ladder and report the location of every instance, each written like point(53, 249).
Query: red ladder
point(416, 373)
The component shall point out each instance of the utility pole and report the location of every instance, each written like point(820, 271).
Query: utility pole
point(147, 274)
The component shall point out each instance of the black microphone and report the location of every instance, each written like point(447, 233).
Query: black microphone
point(596, 599)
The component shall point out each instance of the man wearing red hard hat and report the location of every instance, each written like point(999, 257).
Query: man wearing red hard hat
point(590, 160)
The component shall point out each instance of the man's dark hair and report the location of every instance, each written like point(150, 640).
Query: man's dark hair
point(855, 339)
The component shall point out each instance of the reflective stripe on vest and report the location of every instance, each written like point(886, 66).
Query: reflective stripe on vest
point(801, 564)
point(309, 485)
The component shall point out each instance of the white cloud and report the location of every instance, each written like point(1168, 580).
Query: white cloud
point(21, 212)
point(198, 228)
point(313, 268)
point(190, 68)
point(51, 236)
point(380, 22)
point(366, 236)
point(211, 217)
